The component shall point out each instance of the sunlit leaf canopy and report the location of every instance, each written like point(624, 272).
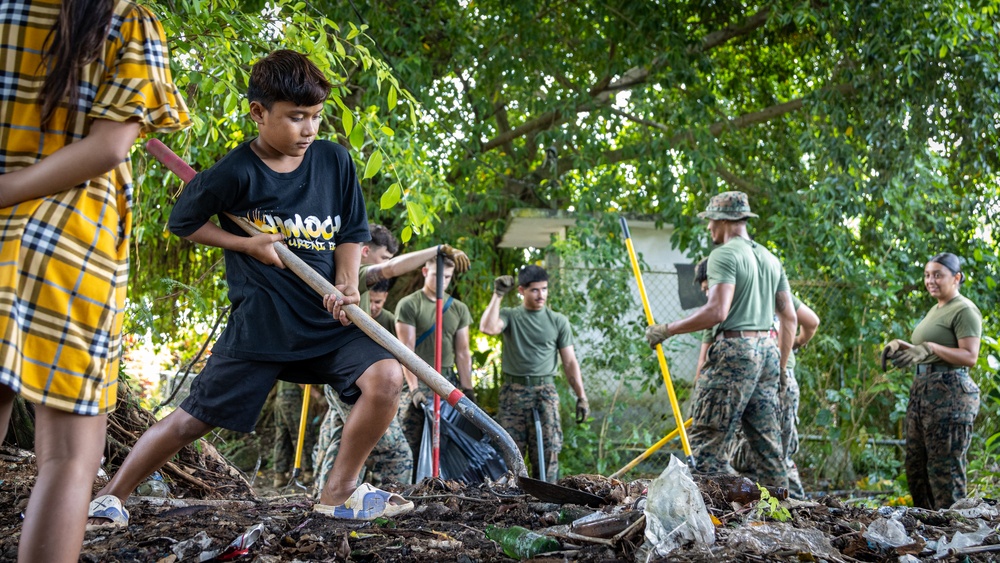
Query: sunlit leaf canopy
point(865, 133)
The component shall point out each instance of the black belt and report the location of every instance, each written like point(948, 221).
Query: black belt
point(529, 379)
point(766, 333)
point(938, 368)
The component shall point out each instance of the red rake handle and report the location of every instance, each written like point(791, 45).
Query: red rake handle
point(170, 159)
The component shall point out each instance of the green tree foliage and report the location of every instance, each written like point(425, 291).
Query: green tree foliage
point(864, 132)
point(213, 45)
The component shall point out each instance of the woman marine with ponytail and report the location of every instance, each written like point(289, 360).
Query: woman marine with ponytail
point(944, 401)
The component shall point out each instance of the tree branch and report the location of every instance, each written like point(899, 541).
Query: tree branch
point(500, 111)
point(723, 35)
point(630, 78)
point(716, 129)
point(736, 181)
point(637, 119)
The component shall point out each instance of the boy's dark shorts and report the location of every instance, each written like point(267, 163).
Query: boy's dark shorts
point(231, 392)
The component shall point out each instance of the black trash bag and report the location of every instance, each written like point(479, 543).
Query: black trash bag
point(466, 454)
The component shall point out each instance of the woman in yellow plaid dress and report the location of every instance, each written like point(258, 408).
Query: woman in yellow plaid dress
point(79, 81)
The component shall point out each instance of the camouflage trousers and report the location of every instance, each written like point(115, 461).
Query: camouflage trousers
point(517, 404)
point(412, 418)
point(390, 459)
point(744, 460)
point(287, 411)
point(738, 390)
point(939, 419)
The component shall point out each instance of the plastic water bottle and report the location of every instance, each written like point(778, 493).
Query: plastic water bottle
point(521, 543)
point(153, 487)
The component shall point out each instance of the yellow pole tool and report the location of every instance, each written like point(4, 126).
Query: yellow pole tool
point(303, 420)
point(650, 451)
point(659, 347)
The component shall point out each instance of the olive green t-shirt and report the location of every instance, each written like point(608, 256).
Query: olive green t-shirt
point(420, 312)
point(532, 340)
point(756, 275)
point(708, 335)
point(958, 318)
point(387, 320)
point(363, 288)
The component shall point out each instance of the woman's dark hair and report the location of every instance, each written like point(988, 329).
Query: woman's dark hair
point(74, 42)
point(531, 274)
point(952, 262)
point(287, 76)
point(701, 272)
point(382, 236)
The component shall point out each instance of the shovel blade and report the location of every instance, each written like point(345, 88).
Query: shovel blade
point(550, 492)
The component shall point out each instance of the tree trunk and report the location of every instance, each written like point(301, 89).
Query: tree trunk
point(21, 431)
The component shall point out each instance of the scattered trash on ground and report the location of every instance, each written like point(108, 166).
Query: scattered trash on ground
point(451, 520)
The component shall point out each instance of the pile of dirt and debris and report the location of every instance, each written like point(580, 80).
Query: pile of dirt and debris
point(450, 521)
point(215, 512)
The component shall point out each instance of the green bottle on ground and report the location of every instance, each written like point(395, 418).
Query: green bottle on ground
point(521, 543)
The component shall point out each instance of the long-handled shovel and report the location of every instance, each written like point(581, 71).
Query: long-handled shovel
point(659, 347)
point(541, 490)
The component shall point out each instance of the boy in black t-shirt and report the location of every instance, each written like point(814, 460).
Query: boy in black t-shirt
point(305, 192)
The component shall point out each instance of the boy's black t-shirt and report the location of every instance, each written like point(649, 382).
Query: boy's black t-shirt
point(275, 316)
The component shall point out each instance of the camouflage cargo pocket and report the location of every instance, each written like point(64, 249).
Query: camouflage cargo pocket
point(968, 400)
point(713, 408)
point(953, 398)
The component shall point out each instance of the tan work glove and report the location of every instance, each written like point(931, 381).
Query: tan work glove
point(890, 351)
point(582, 410)
point(460, 258)
point(502, 285)
point(911, 356)
point(471, 394)
point(656, 334)
point(418, 399)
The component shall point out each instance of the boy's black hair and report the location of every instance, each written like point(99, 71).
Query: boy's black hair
point(287, 76)
point(382, 286)
point(531, 274)
point(701, 272)
point(382, 236)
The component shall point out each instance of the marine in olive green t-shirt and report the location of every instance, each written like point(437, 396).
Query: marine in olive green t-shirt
point(420, 312)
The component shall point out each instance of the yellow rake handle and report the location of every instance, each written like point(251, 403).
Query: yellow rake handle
point(303, 419)
point(651, 450)
point(659, 347)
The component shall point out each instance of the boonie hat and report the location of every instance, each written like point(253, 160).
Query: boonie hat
point(728, 206)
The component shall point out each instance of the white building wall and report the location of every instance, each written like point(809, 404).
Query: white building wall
point(659, 274)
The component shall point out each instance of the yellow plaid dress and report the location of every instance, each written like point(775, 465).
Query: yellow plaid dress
point(64, 258)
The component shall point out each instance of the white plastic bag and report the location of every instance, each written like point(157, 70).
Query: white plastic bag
point(887, 533)
point(764, 538)
point(675, 511)
point(961, 539)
